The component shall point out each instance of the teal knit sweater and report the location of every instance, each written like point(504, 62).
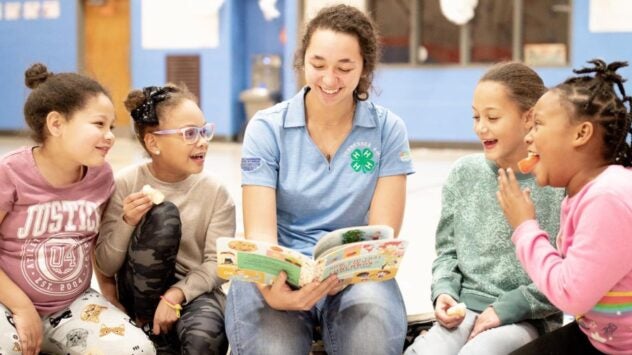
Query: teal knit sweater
point(476, 261)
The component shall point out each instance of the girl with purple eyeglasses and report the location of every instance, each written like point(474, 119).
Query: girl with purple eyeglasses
point(156, 259)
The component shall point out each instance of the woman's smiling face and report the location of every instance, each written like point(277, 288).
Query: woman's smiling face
point(333, 66)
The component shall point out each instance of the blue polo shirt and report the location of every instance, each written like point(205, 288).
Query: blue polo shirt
point(315, 196)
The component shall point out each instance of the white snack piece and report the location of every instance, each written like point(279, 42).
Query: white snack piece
point(457, 310)
point(156, 196)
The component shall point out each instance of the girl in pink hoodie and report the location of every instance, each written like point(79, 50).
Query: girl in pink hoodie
point(581, 141)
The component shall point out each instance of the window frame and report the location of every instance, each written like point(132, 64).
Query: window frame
point(465, 35)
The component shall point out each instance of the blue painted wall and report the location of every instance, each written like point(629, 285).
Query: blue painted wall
point(24, 42)
point(220, 75)
point(225, 70)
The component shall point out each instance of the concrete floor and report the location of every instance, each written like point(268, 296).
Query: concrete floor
point(423, 205)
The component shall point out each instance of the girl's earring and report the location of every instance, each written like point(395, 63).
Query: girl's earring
point(157, 152)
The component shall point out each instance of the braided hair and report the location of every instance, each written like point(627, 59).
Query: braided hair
point(594, 98)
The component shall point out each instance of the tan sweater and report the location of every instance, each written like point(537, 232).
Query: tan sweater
point(206, 210)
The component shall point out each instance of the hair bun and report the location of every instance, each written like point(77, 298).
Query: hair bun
point(145, 113)
point(35, 75)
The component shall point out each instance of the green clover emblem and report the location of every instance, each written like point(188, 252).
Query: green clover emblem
point(362, 160)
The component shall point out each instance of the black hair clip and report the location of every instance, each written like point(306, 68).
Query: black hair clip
point(145, 113)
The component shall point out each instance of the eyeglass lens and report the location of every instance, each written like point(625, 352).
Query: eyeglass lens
point(191, 133)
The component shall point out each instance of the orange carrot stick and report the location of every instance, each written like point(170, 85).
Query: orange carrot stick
point(527, 164)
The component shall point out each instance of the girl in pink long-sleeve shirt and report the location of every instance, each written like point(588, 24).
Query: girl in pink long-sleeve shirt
point(581, 142)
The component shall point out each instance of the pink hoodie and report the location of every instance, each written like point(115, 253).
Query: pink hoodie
point(590, 273)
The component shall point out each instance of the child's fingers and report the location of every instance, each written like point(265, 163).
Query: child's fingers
point(501, 199)
point(140, 204)
point(526, 193)
point(141, 201)
point(134, 196)
point(447, 321)
point(511, 181)
point(503, 192)
point(502, 180)
point(132, 214)
point(143, 208)
point(511, 178)
point(508, 184)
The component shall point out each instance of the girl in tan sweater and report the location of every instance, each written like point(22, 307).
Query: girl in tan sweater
point(158, 259)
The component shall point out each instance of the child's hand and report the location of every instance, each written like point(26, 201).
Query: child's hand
point(516, 204)
point(135, 206)
point(29, 328)
point(488, 319)
point(281, 297)
point(444, 302)
point(165, 316)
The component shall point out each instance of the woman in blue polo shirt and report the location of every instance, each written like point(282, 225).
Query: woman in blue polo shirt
point(323, 160)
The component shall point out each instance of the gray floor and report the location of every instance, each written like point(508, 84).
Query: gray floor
point(422, 205)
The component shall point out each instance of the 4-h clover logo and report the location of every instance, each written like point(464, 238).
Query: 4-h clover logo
point(362, 160)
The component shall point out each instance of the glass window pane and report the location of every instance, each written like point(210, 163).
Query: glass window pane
point(546, 32)
point(393, 20)
point(491, 31)
point(438, 37)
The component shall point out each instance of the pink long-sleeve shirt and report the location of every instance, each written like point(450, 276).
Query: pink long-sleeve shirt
point(590, 273)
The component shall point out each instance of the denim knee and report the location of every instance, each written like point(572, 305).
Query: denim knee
point(367, 318)
point(253, 327)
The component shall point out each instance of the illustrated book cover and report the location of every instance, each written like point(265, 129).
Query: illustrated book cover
point(355, 254)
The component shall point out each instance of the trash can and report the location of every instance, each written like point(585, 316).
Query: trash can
point(256, 99)
point(265, 86)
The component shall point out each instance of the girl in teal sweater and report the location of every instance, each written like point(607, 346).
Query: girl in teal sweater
point(476, 263)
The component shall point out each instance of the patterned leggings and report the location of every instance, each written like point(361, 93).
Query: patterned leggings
point(90, 325)
point(149, 271)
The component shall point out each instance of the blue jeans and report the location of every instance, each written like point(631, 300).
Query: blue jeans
point(366, 318)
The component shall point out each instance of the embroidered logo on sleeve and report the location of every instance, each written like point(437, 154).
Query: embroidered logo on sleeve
point(362, 160)
point(250, 164)
point(404, 155)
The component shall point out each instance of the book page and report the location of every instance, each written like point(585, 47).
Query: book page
point(376, 260)
point(259, 262)
point(351, 235)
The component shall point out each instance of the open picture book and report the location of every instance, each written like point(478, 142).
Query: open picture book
point(355, 254)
